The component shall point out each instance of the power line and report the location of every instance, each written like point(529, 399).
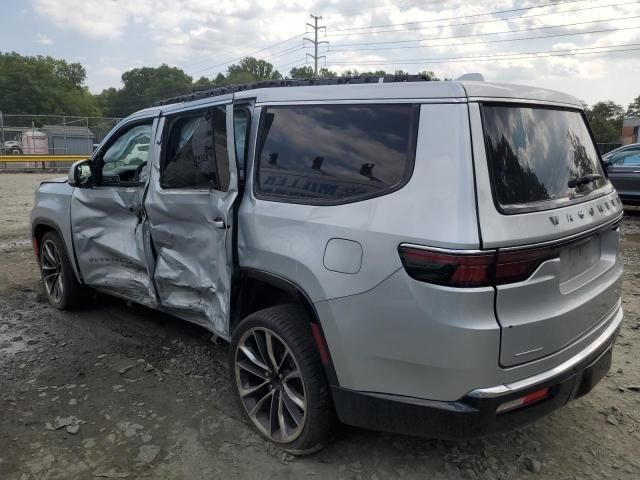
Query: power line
point(502, 40)
point(489, 21)
point(284, 53)
point(315, 41)
point(350, 13)
point(497, 56)
point(298, 61)
point(498, 12)
point(249, 54)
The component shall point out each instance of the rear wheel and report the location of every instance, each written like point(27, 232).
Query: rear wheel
point(63, 291)
point(278, 378)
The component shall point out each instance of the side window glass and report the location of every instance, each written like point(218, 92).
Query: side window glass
point(125, 161)
point(333, 153)
point(195, 153)
point(617, 159)
point(241, 120)
point(631, 158)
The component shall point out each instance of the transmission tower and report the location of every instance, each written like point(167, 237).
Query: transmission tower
point(315, 41)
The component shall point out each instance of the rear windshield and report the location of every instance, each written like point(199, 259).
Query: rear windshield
point(539, 155)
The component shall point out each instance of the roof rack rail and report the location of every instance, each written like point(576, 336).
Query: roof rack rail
point(288, 82)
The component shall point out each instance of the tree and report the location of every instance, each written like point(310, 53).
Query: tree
point(605, 119)
point(248, 70)
point(429, 74)
point(324, 72)
point(144, 86)
point(44, 85)
point(634, 108)
point(259, 69)
point(203, 82)
point(301, 72)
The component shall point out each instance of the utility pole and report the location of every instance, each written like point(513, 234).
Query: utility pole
point(315, 41)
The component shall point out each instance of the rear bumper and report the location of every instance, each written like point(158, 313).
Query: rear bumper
point(475, 413)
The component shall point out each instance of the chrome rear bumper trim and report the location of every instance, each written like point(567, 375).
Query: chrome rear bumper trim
point(558, 370)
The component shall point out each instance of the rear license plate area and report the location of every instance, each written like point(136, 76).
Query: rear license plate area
point(578, 258)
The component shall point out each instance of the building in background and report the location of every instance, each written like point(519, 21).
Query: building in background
point(69, 140)
point(631, 130)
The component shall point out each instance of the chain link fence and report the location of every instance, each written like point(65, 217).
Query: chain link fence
point(49, 135)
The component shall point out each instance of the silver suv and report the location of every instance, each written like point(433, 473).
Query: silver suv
point(430, 258)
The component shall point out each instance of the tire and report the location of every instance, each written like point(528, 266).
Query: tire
point(286, 388)
point(60, 285)
point(16, 151)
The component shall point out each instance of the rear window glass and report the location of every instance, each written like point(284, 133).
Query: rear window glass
point(538, 154)
point(335, 153)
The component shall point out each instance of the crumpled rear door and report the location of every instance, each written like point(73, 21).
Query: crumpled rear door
point(189, 205)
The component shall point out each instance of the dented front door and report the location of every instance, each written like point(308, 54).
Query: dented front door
point(192, 188)
point(108, 221)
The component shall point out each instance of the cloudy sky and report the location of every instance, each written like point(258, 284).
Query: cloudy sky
point(590, 48)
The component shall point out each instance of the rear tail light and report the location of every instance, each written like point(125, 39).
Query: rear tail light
point(473, 269)
point(454, 270)
point(528, 399)
point(519, 265)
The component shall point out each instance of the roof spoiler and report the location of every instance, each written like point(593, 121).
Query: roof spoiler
point(474, 77)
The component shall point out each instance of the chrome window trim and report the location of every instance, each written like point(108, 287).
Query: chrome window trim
point(546, 205)
point(276, 103)
point(570, 238)
point(550, 103)
point(452, 251)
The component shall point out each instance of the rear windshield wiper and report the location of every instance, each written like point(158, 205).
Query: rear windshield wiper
point(576, 182)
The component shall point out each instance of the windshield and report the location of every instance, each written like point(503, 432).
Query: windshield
point(539, 154)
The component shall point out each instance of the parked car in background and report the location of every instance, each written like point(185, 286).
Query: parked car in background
point(623, 168)
point(429, 258)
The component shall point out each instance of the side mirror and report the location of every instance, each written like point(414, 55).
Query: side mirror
point(80, 174)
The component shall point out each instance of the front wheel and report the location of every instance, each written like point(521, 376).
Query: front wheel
point(278, 379)
point(60, 283)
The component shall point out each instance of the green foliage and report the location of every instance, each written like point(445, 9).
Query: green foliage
point(203, 82)
point(142, 87)
point(634, 108)
point(429, 74)
point(301, 72)
point(605, 119)
point(34, 85)
point(326, 73)
point(248, 70)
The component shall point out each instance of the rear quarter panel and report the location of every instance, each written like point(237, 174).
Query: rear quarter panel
point(436, 207)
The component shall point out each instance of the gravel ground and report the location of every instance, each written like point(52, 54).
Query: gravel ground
point(119, 391)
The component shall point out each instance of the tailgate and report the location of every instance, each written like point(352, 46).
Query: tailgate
point(562, 300)
point(544, 200)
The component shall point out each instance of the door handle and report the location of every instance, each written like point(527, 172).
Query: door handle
point(219, 223)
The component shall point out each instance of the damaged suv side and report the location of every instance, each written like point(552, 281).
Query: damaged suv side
point(430, 258)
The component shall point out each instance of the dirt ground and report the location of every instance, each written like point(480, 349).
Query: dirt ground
point(119, 391)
